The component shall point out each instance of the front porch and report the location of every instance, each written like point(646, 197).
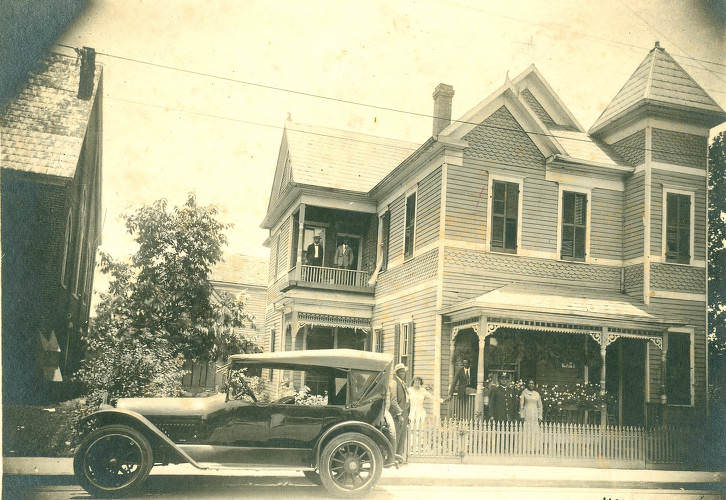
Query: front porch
point(591, 360)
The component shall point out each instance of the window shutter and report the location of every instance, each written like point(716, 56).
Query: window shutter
point(396, 342)
point(411, 337)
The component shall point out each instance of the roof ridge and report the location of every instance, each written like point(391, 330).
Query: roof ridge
point(649, 80)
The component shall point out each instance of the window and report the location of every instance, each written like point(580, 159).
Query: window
point(574, 226)
point(410, 228)
point(82, 236)
point(504, 218)
point(678, 228)
point(378, 335)
point(66, 250)
point(385, 238)
point(678, 369)
point(404, 344)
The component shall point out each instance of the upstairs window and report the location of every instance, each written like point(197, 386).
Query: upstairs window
point(405, 344)
point(410, 226)
point(505, 215)
point(678, 228)
point(574, 226)
point(385, 238)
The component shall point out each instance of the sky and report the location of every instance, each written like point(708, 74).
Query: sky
point(157, 143)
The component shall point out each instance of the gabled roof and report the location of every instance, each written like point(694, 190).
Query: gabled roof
point(659, 79)
point(43, 126)
point(241, 269)
point(341, 159)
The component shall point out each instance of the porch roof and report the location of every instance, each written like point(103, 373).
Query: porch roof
point(519, 299)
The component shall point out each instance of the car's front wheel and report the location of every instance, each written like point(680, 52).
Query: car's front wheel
point(113, 460)
point(350, 465)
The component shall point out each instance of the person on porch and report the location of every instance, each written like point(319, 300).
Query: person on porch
point(315, 252)
point(510, 398)
point(459, 385)
point(530, 405)
point(400, 407)
point(497, 404)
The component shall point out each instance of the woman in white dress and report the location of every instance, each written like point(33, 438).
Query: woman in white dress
point(417, 394)
point(530, 405)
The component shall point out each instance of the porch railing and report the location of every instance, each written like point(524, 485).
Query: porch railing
point(334, 276)
point(473, 439)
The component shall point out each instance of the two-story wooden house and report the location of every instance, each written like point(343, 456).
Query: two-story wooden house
point(50, 153)
point(510, 232)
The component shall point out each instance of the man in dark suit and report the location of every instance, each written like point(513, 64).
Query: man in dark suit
point(400, 407)
point(315, 252)
point(497, 410)
point(459, 384)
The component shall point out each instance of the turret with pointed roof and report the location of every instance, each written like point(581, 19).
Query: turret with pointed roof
point(659, 87)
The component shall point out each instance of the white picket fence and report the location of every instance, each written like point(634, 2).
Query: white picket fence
point(576, 442)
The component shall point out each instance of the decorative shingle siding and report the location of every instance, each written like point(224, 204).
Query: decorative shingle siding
point(421, 307)
point(606, 233)
point(501, 138)
point(428, 208)
point(535, 106)
point(685, 182)
point(420, 268)
point(634, 280)
point(679, 148)
point(633, 216)
point(395, 241)
point(502, 268)
point(678, 278)
point(632, 148)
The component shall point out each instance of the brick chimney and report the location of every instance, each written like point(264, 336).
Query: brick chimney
point(443, 95)
point(88, 70)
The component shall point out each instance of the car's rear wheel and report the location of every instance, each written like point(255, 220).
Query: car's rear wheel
point(313, 477)
point(350, 465)
point(113, 460)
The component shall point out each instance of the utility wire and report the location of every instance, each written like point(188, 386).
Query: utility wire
point(484, 125)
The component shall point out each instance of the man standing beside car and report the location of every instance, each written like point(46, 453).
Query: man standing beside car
point(400, 407)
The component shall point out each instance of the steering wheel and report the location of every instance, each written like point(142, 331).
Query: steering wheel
point(244, 392)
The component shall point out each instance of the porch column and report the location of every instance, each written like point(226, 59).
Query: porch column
point(603, 354)
point(663, 366)
point(300, 238)
point(482, 334)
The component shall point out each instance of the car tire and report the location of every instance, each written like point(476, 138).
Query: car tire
point(313, 477)
point(113, 461)
point(350, 465)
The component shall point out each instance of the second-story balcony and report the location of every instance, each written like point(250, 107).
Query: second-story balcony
point(332, 249)
point(330, 278)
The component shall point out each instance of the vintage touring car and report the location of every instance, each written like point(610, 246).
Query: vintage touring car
point(340, 440)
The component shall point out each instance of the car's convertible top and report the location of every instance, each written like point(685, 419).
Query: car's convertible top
point(328, 358)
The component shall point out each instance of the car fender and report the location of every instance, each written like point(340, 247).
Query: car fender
point(352, 425)
point(117, 415)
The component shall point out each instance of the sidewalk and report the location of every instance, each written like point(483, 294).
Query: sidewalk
point(422, 474)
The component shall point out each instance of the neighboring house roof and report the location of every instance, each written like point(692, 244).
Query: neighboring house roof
point(560, 299)
point(661, 80)
point(341, 159)
point(43, 126)
point(241, 269)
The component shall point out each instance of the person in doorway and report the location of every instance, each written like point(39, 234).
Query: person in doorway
point(400, 407)
point(344, 256)
point(530, 405)
point(418, 394)
point(315, 252)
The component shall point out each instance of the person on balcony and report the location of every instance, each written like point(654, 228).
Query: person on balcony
point(315, 252)
point(343, 256)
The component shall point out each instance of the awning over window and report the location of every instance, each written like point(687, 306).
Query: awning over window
point(332, 320)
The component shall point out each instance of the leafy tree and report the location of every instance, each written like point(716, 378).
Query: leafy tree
point(160, 308)
point(717, 269)
point(716, 241)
